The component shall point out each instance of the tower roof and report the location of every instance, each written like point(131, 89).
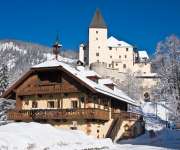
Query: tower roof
point(98, 21)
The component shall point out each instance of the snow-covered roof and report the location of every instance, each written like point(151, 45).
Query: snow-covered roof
point(105, 81)
point(113, 42)
point(143, 54)
point(82, 74)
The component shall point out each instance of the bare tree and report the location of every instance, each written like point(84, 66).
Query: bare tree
point(167, 63)
point(132, 86)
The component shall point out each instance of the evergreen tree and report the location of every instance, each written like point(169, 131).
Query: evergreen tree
point(3, 78)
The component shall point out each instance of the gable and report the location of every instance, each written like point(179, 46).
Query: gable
point(44, 81)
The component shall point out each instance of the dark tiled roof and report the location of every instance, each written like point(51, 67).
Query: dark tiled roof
point(98, 21)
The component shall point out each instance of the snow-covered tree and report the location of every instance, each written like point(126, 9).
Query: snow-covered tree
point(131, 85)
point(3, 78)
point(167, 64)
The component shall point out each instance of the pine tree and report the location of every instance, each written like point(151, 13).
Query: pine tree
point(3, 78)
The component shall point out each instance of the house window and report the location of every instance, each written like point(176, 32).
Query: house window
point(110, 48)
point(26, 102)
point(124, 66)
point(82, 99)
point(74, 104)
point(50, 104)
point(34, 104)
point(97, 54)
point(51, 76)
point(127, 49)
point(65, 94)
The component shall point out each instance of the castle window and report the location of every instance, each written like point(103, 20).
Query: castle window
point(119, 56)
point(125, 56)
point(96, 32)
point(116, 64)
point(96, 38)
point(127, 49)
point(99, 47)
point(110, 48)
point(124, 66)
point(50, 104)
point(110, 56)
point(34, 104)
point(109, 65)
point(98, 61)
point(97, 54)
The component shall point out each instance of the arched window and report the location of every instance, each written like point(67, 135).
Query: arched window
point(146, 97)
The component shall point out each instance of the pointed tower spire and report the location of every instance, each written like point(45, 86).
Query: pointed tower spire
point(98, 21)
point(56, 46)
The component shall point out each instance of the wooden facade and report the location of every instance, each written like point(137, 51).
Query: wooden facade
point(54, 94)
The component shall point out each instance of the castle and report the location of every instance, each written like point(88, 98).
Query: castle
point(116, 56)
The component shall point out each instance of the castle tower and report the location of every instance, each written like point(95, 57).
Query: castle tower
point(97, 39)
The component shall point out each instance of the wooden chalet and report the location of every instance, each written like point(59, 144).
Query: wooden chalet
point(73, 97)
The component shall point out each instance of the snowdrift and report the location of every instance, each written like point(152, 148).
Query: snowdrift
point(26, 136)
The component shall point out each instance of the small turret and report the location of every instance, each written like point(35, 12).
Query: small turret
point(56, 47)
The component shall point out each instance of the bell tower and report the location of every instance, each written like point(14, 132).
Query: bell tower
point(56, 47)
point(97, 39)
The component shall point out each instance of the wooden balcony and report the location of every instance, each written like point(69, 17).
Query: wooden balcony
point(126, 115)
point(58, 114)
point(47, 89)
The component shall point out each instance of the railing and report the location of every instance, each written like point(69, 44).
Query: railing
point(57, 114)
point(51, 88)
point(126, 115)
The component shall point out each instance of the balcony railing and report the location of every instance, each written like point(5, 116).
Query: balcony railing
point(58, 114)
point(44, 89)
point(126, 115)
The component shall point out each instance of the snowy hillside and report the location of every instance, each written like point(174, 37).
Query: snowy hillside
point(19, 56)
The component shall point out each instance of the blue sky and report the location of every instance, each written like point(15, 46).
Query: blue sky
point(139, 22)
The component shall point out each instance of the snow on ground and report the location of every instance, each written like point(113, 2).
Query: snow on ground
point(36, 136)
point(164, 140)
